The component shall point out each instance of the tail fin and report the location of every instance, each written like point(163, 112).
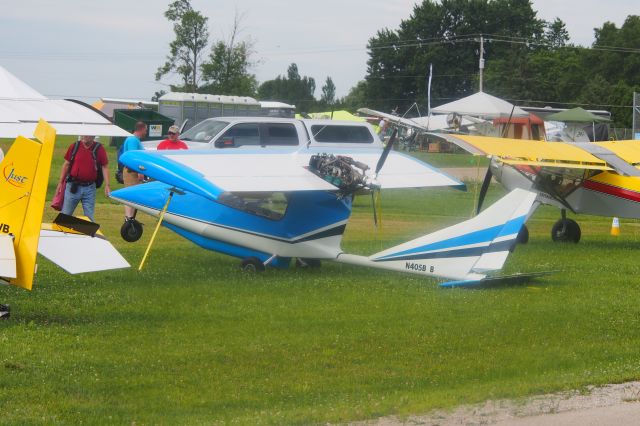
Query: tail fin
point(468, 250)
point(24, 177)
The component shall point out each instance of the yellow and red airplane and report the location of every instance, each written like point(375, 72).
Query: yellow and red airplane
point(72, 243)
point(594, 178)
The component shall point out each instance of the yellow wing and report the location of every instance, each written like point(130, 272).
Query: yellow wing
point(611, 156)
point(629, 151)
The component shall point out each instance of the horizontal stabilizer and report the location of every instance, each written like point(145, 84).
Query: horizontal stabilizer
point(7, 257)
point(79, 253)
point(495, 281)
point(468, 250)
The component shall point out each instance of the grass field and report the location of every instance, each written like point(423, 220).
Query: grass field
point(192, 340)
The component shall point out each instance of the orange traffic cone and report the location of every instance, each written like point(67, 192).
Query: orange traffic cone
point(615, 227)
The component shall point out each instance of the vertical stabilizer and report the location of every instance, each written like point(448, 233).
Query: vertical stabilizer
point(468, 250)
point(23, 188)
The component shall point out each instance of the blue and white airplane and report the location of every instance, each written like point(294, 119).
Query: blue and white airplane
point(269, 206)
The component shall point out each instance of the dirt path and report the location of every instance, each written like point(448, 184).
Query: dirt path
point(617, 405)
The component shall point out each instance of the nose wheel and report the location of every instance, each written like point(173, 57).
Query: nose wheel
point(131, 230)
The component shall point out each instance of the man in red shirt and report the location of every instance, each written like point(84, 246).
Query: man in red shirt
point(82, 163)
point(172, 141)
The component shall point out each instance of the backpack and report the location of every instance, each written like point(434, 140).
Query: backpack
point(94, 154)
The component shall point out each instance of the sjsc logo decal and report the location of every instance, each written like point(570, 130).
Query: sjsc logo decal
point(12, 177)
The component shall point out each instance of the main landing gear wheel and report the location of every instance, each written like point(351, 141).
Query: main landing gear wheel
point(523, 235)
point(251, 264)
point(566, 231)
point(131, 230)
point(302, 262)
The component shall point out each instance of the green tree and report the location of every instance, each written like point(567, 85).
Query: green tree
point(185, 51)
point(227, 70)
point(444, 34)
point(556, 33)
point(292, 89)
point(157, 95)
point(357, 97)
point(328, 96)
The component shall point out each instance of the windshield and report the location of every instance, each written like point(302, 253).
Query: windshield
point(204, 131)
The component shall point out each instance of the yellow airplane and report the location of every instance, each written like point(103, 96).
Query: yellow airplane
point(595, 178)
point(72, 243)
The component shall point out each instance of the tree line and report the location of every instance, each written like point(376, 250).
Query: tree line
point(529, 61)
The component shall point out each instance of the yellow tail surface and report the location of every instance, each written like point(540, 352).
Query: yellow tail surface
point(24, 177)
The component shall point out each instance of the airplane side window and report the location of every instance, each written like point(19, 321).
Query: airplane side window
point(281, 134)
point(268, 205)
point(243, 134)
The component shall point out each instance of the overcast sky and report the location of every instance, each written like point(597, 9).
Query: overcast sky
point(90, 49)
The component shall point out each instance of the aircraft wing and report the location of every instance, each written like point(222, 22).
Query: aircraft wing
point(589, 156)
point(76, 252)
point(211, 173)
point(406, 122)
point(629, 150)
point(21, 116)
point(403, 171)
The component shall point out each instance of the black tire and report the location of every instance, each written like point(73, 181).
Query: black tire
point(523, 235)
point(131, 231)
point(252, 264)
point(566, 231)
point(5, 312)
point(303, 262)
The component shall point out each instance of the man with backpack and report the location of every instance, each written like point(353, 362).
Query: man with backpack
point(85, 168)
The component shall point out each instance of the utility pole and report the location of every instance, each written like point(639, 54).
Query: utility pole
point(636, 112)
point(481, 59)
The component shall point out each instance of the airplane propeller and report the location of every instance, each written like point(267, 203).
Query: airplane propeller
point(385, 152)
point(375, 189)
point(484, 188)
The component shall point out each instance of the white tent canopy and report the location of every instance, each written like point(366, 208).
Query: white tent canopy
point(481, 105)
point(21, 107)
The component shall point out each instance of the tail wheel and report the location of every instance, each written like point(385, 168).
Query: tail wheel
point(566, 231)
point(131, 230)
point(252, 264)
point(303, 262)
point(523, 235)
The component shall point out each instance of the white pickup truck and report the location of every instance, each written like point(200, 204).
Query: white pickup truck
point(265, 132)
